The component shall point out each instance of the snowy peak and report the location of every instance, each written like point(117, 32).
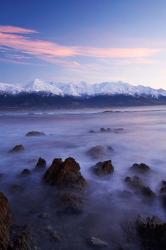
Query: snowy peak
point(81, 89)
point(10, 88)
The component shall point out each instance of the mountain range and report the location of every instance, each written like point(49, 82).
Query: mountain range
point(55, 94)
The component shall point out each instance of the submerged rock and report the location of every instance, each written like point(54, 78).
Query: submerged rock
point(152, 232)
point(40, 164)
point(103, 168)
point(99, 151)
point(96, 242)
point(17, 148)
point(140, 168)
point(5, 222)
point(65, 174)
point(71, 203)
point(16, 188)
point(25, 172)
point(105, 130)
point(35, 133)
point(137, 185)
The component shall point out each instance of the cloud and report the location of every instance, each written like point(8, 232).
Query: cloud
point(16, 30)
point(21, 39)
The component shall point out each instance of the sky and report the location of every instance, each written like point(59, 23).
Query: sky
point(83, 40)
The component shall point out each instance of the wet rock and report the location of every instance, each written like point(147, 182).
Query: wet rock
point(99, 151)
point(98, 243)
point(17, 148)
point(140, 168)
point(137, 185)
point(71, 203)
point(40, 164)
point(65, 174)
point(25, 172)
point(5, 222)
point(152, 232)
point(35, 133)
point(103, 168)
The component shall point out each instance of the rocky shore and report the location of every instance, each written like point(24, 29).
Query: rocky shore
point(66, 200)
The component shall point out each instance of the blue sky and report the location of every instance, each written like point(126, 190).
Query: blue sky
point(90, 40)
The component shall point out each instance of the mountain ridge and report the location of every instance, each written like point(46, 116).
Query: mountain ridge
point(81, 89)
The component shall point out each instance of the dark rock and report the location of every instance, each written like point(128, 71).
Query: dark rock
point(65, 174)
point(152, 232)
point(71, 203)
point(40, 164)
point(163, 193)
point(103, 168)
point(99, 151)
point(117, 130)
point(17, 148)
point(91, 131)
point(134, 182)
point(5, 222)
point(105, 130)
point(140, 168)
point(137, 185)
point(35, 133)
point(25, 172)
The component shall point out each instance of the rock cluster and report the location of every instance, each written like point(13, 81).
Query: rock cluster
point(103, 168)
point(140, 168)
point(65, 174)
point(152, 232)
point(137, 185)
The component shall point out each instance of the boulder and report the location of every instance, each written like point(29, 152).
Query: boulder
point(152, 232)
point(5, 222)
point(40, 164)
point(65, 174)
point(137, 185)
point(17, 148)
point(99, 151)
point(140, 168)
point(25, 172)
point(103, 168)
point(35, 133)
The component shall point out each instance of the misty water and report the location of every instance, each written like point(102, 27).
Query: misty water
point(107, 210)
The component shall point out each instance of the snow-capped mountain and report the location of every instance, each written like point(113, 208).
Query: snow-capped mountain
point(81, 89)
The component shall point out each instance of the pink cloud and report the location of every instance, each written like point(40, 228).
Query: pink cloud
point(18, 39)
point(16, 30)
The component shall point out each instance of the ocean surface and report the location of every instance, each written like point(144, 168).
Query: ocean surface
point(137, 135)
